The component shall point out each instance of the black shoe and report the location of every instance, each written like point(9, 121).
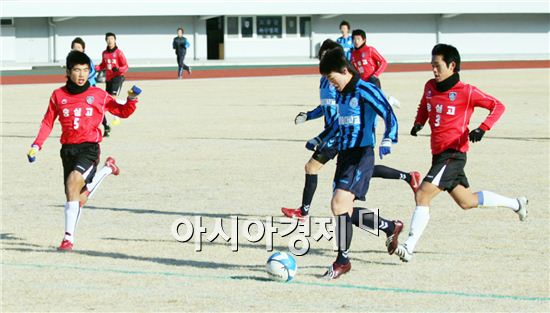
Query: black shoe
point(106, 131)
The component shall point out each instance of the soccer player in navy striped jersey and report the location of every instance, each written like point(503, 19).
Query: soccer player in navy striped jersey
point(325, 146)
point(346, 40)
point(359, 103)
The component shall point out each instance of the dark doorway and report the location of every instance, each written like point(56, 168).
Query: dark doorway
point(214, 38)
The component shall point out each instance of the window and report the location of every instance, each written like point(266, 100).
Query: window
point(232, 25)
point(305, 26)
point(270, 26)
point(246, 27)
point(291, 25)
point(7, 22)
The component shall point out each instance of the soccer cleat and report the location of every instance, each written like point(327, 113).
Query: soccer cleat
point(393, 240)
point(403, 253)
point(522, 212)
point(294, 213)
point(415, 181)
point(336, 270)
point(106, 131)
point(110, 162)
point(66, 245)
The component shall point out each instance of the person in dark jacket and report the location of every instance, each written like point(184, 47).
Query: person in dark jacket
point(180, 44)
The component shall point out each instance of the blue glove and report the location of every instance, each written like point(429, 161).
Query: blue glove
point(134, 92)
point(31, 155)
point(313, 143)
point(385, 147)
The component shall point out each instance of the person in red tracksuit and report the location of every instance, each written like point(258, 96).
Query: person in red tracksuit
point(448, 104)
point(114, 63)
point(80, 109)
point(369, 62)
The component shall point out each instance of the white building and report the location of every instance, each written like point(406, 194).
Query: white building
point(35, 32)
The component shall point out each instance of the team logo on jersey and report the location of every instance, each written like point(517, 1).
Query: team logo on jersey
point(452, 96)
point(429, 94)
point(90, 100)
point(353, 103)
point(63, 101)
point(363, 55)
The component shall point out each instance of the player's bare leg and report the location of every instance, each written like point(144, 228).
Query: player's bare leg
point(468, 200)
point(312, 168)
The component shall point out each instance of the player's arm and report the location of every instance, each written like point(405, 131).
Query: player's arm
point(421, 115)
point(186, 44)
point(92, 70)
point(331, 131)
point(495, 107)
point(380, 61)
point(377, 101)
point(306, 116)
point(174, 46)
point(126, 109)
point(45, 130)
point(122, 62)
point(101, 65)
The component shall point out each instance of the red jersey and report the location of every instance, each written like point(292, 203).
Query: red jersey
point(449, 114)
point(80, 115)
point(110, 60)
point(367, 61)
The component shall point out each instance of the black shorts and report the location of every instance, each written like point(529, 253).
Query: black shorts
point(326, 151)
point(114, 85)
point(447, 170)
point(82, 157)
point(354, 169)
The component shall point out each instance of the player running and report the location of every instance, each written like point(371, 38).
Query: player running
point(115, 65)
point(359, 103)
point(369, 62)
point(448, 104)
point(180, 44)
point(80, 109)
point(325, 146)
point(346, 40)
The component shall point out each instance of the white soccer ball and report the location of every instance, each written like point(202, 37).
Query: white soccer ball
point(281, 266)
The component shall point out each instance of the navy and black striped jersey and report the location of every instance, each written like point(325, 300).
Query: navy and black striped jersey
point(327, 108)
point(347, 44)
point(359, 104)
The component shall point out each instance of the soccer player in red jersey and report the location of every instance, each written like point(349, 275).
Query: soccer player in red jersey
point(115, 65)
point(447, 104)
point(80, 109)
point(369, 62)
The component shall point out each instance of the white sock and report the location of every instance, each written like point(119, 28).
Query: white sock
point(491, 199)
point(72, 215)
point(419, 221)
point(98, 179)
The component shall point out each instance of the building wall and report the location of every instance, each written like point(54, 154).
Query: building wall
point(398, 37)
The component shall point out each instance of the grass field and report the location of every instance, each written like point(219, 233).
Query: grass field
point(222, 147)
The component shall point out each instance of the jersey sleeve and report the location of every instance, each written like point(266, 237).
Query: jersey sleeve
point(380, 61)
point(174, 46)
point(122, 62)
point(315, 113)
point(483, 100)
point(377, 101)
point(422, 111)
point(92, 70)
point(330, 131)
point(120, 110)
point(100, 66)
point(47, 124)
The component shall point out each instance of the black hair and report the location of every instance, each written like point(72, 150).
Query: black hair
point(327, 45)
point(109, 34)
point(359, 32)
point(448, 53)
point(79, 41)
point(345, 23)
point(76, 57)
point(179, 28)
point(334, 60)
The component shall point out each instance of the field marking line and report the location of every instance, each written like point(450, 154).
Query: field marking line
point(314, 284)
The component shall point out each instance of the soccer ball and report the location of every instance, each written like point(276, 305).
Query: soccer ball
point(281, 266)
